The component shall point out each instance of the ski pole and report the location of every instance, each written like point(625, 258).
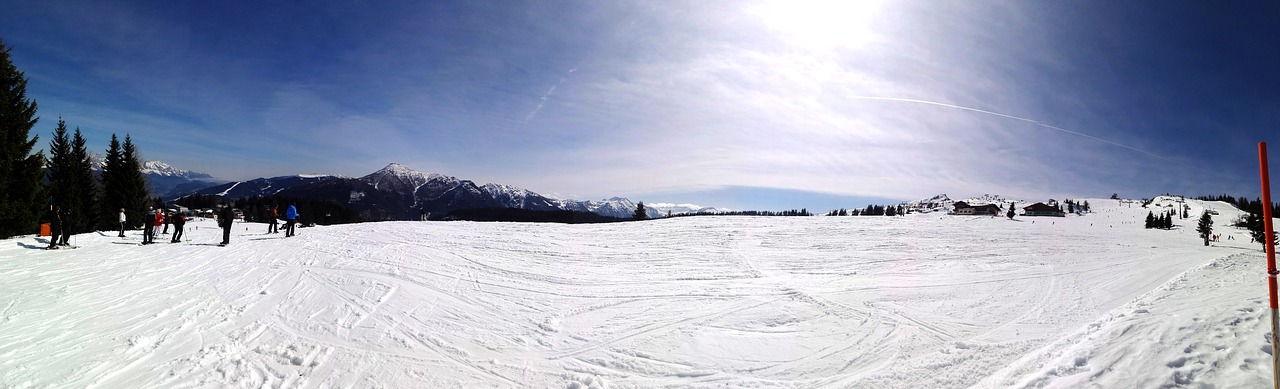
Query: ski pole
point(1269, 247)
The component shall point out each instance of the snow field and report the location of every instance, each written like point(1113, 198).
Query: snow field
point(919, 301)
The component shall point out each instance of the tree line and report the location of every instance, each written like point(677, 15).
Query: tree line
point(258, 208)
point(793, 212)
point(871, 210)
point(1243, 203)
point(31, 184)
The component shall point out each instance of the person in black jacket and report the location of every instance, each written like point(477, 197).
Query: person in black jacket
point(224, 220)
point(148, 226)
point(66, 228)
point(55, 227)
point(179, 223)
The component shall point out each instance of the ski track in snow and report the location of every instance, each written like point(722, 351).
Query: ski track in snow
point(926, 300)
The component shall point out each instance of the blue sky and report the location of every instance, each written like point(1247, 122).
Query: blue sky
point(743, 104)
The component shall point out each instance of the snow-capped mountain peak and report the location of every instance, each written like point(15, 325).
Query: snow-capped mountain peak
point(399, 177)
point(163, 169)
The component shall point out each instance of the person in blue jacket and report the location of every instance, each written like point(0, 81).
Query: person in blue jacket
point(291, 220)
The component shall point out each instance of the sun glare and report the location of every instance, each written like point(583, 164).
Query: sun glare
point(821, 24)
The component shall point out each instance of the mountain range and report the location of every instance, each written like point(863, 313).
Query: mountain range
point(397, 192)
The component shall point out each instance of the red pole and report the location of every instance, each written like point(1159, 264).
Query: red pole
point(1269, 247)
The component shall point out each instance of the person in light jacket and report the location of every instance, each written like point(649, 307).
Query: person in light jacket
point(122, 220)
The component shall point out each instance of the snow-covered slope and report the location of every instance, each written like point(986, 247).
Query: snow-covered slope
point(921, 301)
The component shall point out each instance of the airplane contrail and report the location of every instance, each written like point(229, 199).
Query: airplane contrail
point(898, 99)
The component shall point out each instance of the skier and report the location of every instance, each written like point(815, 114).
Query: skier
point(122, 220)
point(66, 228)
point(273, 227)
point(291, 220)
point(224, 221)
point(55, 227)
point(168, 215)
point(148, 228)
point(179, 221)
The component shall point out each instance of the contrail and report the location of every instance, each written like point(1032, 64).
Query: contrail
point(1008, 117)
point(547, 96)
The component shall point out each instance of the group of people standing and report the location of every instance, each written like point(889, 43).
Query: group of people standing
point(59, 227)
point(154, 219)
point(290, 217)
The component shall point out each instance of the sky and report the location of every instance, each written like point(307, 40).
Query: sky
point(740, 104)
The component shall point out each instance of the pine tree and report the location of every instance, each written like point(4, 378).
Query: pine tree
point(1257, 230)
point(70, 179)
point(1151, 220)
point(641, 213)
point(83, 208)
point(1011, 213)
point(135, 184)
point(59, 171)
point(21, 200)
point(1205, 227)
point(113, 192)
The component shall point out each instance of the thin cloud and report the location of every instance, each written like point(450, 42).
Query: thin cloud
point(1032, 121)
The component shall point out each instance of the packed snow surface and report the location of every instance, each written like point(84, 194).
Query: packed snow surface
point(921, 301)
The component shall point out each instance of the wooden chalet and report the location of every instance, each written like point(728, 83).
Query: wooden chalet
point(1042, 209)
point(963, 208)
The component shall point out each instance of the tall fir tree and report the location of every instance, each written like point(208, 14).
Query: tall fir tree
point(113, 192)
point(135, 198)
point(21, 197)
point(1257, 229)
point(1205, 226)
point(641, 213)
point(83, 208)
point(60, 186)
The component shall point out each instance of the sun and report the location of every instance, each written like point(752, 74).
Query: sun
point(821, 24)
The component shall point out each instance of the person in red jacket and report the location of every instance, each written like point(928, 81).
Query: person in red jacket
point(274, 226)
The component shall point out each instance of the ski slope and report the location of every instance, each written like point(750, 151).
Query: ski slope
point(925, 300)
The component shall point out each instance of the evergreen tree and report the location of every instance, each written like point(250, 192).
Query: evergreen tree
point(82, 209)
point(59, 171)
point(1086, 206)
point(1151, 220)
point(1257, 230)
point(113, 188)
point(640, 213)
point(890, 211)
point(135, 197)
point(1205, 227)
point(1011, 213)
point(21, 198)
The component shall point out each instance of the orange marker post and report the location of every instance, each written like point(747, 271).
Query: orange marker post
point(1269, 246)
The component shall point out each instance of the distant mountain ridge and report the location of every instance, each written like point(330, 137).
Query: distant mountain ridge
point(397, 192)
